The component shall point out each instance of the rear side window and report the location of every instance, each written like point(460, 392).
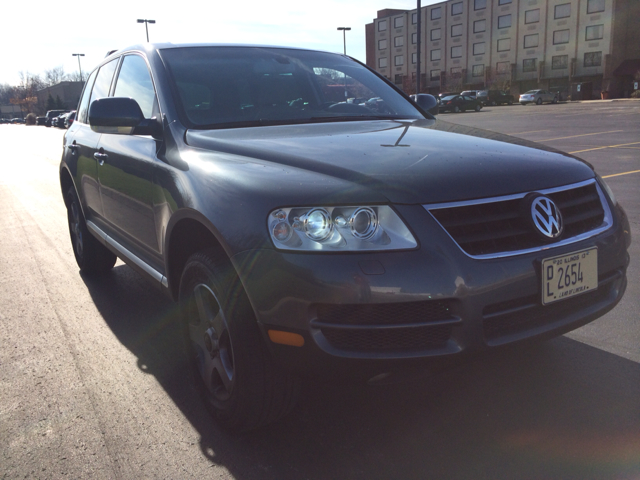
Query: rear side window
point(103, 81)
point(84, 103)
point(134, 81)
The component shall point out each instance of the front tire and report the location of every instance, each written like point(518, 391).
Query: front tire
point(478, 108)
point(241, 385)
point(91, 256)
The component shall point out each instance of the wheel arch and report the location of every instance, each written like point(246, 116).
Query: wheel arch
point(66, 182)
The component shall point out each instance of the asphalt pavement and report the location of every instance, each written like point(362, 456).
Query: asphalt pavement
point(92, 381)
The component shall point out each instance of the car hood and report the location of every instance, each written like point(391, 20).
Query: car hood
point(408, 162)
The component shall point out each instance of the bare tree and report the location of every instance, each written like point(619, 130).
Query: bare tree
point(26, 93)
point(54, 76)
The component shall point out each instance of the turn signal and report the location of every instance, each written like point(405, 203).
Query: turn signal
point(286, 338)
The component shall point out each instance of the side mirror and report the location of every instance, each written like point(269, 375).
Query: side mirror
point(123, 116)
point(426, 102)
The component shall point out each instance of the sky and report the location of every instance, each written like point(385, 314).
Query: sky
point(41, 35)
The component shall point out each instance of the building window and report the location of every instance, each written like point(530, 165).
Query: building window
point(436, 13)
point(414, 18)
point(477, 71)
point(529, 65)
point(503, 67)
point(456, 72)
point(398, 79)
point(504, 21)
point(504, 45)
point(414, 58)
point(456, 8)
point(531, 41)
point(478, 48)
point(435, 55)
point(479, 4)
point(595, 32)
point(504, 2)
point(382, 25)
point(532, 16)
point(398, 41)
point(382, 44)
point(479, 26)
point(398, 60)
point(562, 11)
point(456, 30)
point(560, 36)
point(382, 63)
point(559, 62)
point(398, 22)
point(595, 6)
point(414, 38)
point(456, 52)
point(435, 75)
point(436, 34)
point(593, 59)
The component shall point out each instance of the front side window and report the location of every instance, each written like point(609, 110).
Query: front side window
point(504, 44)
point(436, 13)
point(529, 65)
point(398, 22)
point(479, 48)
point(435, 55)
point(134, 81)
point(103, 81)
point(477, 70)
point(456, 30)
point(562, 11)
point(382, 25)
point(436, 34)
point(456, 8)
point(531, 41)
point(479, 4)
point(382, 44)
point(594, 32)
point(83, 109)
point(398, 41)
point(434, 74)
point(559, 62)
point(504, 21)
point(560, 37)
point(456, 52)
point(532, 16)
point(595, 6)
point(593, 59)
point(479, 26)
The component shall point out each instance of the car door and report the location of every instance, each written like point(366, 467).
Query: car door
point(126, 170)
point(81, 142)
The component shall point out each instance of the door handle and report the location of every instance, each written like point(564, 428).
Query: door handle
point(100, 157)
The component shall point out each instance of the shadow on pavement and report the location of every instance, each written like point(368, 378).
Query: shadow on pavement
point(560, 409)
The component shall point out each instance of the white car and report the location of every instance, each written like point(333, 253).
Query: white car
point(538, 97)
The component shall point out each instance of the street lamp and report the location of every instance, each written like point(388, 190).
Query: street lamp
point(79, 67)
point(344, 37)
point(146, 22)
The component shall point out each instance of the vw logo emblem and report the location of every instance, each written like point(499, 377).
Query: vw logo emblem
point(546, 217)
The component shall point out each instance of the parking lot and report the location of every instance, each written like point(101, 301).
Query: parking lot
point(92, 388)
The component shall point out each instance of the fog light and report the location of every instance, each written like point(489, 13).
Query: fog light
point(282, 231)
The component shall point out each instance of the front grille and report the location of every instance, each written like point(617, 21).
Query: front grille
point(390, 327)
point(526, 313)
point(503, 225)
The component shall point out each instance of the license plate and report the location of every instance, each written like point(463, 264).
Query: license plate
point(569, 275)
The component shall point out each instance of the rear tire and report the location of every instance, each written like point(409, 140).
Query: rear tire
point(539, 101)
point(240, 383)
point(456, 109)
point(478, 108)
point(510, 102)
point(91, 256)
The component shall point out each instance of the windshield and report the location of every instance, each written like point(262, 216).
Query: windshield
point(531, 91)
point(224, 87)
point(450, 97)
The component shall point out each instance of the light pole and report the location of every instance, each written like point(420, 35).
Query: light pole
point(146, 22)
point(344, 37)
point(79, 67)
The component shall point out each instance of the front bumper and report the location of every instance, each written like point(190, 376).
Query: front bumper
point(372, 312)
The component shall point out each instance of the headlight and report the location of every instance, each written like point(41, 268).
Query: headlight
point(339, 229)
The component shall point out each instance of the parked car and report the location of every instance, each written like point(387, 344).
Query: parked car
point(17, 120)
point(498, 97)
point(50, 115)
point(427, 102)
point(538, 97)
point(300, 233)
point(459, 103)
point(69, 118)
point(442, 95)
